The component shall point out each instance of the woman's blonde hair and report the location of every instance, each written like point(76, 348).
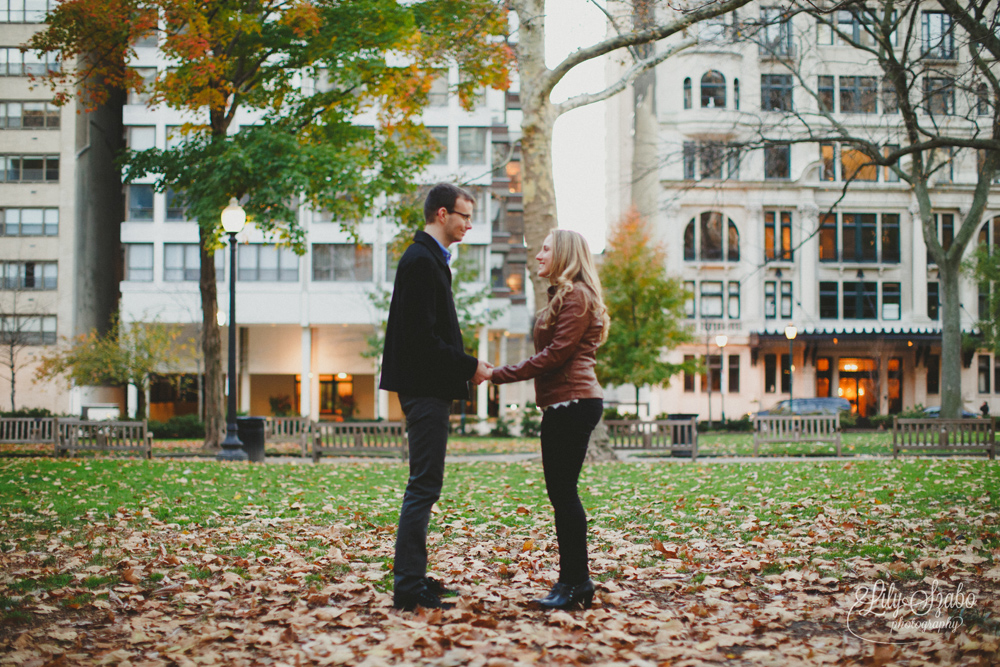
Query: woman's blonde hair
point(572, 262)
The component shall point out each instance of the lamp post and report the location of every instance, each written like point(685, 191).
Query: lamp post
point(790, 333)
point(233, 219)
point(721, 341)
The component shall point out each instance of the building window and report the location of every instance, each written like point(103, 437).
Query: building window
point(824, 377)
point(776, 33)
point(30, 169)
point(267, 263)
point(28, 329)
point(29, 275)
point(176, 211)
point(472, 145)
point(736, 94)
point(440, 135)
point(933, 300)
point(29, 221)
point(984, 373)
point(145, 91)
point(181, 262)
point(139, 203)
point(689, 309)
point(25, 11)
point(890, 99)
point(733, 303)
point(778, 236)
point(342, 262)
point(770, 299)
point(688, 375)
point(138, 262)
point(715, 243)
point(828, 154)
point(713, 90)
point(29, 63)
point(856, 165)
point(890, 238)
point(687, 92)
point(777, 162)
point(786, 299)
point(825, 92)
point(939, 96)
point(29, 116)
point(982, 100)
point(141, 138)
point(770, 373)
point(437, 96)
point(828, 238)
point(711, 298)
point(858, 94)
point(734, 374)
point(859, 232)
point(891, 301)
point(860, 300)
point(776, 92)
point(933, 374)
point(828, 301)
point(938, 37)
point(714, 367)
point(890, 174)
point(712, 160)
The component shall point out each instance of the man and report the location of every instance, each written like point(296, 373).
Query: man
point(424, 361)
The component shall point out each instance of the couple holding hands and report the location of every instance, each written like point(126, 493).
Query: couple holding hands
point(425, 363)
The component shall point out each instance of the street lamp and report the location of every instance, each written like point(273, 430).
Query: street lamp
point(721, 341)
point(233, 219)
point(790, 333)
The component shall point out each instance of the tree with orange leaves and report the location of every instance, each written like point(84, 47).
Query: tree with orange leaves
point(230, 56)
point(646, 309)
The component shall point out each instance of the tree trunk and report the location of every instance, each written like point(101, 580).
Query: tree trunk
point(13, 374)
point(211, 347)
point(140, 402)
point(951, 340)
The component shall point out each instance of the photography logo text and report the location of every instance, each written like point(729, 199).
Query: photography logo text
point(882, 614)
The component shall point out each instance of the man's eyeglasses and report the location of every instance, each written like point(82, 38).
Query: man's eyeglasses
point(465, 216)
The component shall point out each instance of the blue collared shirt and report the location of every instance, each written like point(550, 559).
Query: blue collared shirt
point(447, 255)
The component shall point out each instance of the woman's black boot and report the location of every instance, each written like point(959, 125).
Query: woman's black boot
point(564, 596)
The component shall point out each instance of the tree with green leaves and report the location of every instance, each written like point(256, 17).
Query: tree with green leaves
point(230, 56)
point(646, 309)
point(126, 354)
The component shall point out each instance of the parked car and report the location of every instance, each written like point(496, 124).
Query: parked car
point(935, 412)
point(808, 406)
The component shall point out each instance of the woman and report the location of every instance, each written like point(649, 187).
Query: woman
point(567, 333)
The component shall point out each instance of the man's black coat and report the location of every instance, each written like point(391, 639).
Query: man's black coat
point(424, 354)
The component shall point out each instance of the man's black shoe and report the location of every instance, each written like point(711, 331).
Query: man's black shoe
point(437, 588)
point(425, 599)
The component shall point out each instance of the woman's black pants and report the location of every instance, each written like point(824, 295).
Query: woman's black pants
point(565, 433)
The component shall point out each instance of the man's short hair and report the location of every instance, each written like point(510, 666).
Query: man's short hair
point(444, 194)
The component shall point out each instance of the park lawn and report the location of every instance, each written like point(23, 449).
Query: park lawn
point(111, 560)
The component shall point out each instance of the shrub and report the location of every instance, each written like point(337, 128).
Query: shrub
point(743, 424)
point(184, 426)
point(502, 428)
point(848, 420)
point(531, 421)
point(881, 421)
point(34, 413)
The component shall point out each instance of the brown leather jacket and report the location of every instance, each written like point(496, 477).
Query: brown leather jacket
point(565, 353)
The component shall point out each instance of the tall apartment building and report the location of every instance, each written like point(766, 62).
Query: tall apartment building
point(59, 196)
point(768, 238)
point(77, 246)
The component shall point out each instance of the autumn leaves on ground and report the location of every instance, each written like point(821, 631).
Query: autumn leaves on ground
point(190, 563)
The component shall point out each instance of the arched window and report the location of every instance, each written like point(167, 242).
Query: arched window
point(736, 94)
point(985, 237)
point(713, 90)
point(734, 243)
point(711, 237)
point(687, 93)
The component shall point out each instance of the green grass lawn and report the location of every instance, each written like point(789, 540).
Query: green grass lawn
point(172, 556)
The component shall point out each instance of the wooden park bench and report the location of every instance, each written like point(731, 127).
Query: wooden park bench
point(77, 435)
point(964, 436)
point(297, 430)
point(673, 435)
point(28, 430)
point(359, 439)
point(796, 428)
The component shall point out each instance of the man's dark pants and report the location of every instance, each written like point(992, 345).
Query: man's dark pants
point(427, 431)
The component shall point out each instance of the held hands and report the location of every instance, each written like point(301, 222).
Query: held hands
point(483, 372)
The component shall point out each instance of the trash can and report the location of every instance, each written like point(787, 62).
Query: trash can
point(682, 434)
point(251, 432)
